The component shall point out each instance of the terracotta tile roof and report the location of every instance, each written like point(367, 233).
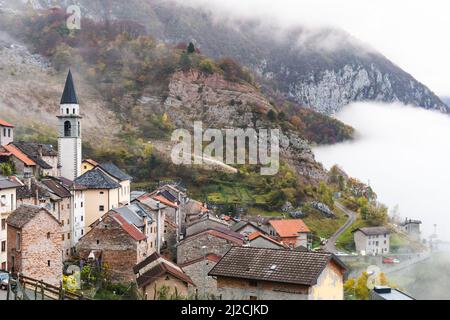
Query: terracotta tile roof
point(289, 228)
point(258, 234)
point(275, 265)
point(165, 201)
point(19, 155)
point(3, 123)
point(161, 266)
point(129, 228)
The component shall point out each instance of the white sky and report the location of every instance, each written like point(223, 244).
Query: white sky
point(413, 34)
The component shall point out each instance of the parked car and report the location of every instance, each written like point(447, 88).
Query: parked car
point(396, 261)
point(388, 260)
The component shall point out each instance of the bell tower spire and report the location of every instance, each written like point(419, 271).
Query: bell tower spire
point(69, 140)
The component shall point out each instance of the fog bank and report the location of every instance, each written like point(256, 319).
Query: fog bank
point(405, 154)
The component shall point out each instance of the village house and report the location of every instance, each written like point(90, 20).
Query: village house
point(159, 278)
point(205, 286)
point(217, 241)
point(412, 228)
point(121, 238)
point(261, 240)
point(372, 241)
point(6, 132)
point(34, 245)
point(208, 221)
point(246, 273)
point(291, 232)
point(101, 194)
point(8, 187)
point(248, 227)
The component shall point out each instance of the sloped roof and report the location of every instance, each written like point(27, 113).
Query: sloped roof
point(97, 179)
point(3, 123)
point(69, 95)
point(241, 224)
point(132, 230)
point(25, 213)
point(276, 265)
point(210, 257)
point(8, 183)
point(32, 150)
point(114, 171)
point(289, 227)
point(57, 188)
point(19, 155)
point(218, 232)
point(258, 234)
point(91, 162)
point(154, 267)
point(134, 214)
point(373, 231)
point(163, 200)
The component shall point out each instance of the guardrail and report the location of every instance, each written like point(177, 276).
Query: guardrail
point(21, 287)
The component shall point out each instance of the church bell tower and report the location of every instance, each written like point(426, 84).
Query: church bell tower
point(69, 130)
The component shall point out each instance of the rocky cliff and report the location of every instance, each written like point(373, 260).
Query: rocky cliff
point(324, 69)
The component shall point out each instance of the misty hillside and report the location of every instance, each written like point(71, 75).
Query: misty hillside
point(324, 69)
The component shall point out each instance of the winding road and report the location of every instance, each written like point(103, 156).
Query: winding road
point(330, 246)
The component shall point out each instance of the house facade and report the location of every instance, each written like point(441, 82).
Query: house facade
point(268, 274)
point(8, 196)
point(6, 132)
point(159, 278)
point(34, 245)
point(372, 241)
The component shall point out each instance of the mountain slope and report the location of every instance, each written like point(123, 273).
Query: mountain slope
point(324, 69)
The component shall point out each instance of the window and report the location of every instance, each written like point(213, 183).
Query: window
point(63, 237)
point(9, 133)
point(82, 218)
point(68, 206)
point(62, 222)
point(82, 204)
point(3, 201)
point(68, 236)
point(3, 265)
point(98, 241)
point(3, 247)
point(67, 128)
point(48, 263)
point(85, 167)
point(82, 231)
point(18, 241)
point(48, 235)
point(101, 192)
point(3, 224)
point(101, 208)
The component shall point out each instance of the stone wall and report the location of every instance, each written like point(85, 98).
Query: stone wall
point(205, 286)
point(191, 248)
point(40, 255)
point(119, 250)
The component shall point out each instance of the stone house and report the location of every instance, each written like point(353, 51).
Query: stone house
point(217, 241)
point(34, 244)
point(6, 132)
point(261, 240)
point(120, 239)
point(205, 286)
point(156, 275)
point(8, 196)
point(208, 221)
point(291, 232)
point(372, 241)
point(193, 210)
point(273, 274)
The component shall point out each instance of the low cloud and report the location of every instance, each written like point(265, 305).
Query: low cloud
point(405, 154)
